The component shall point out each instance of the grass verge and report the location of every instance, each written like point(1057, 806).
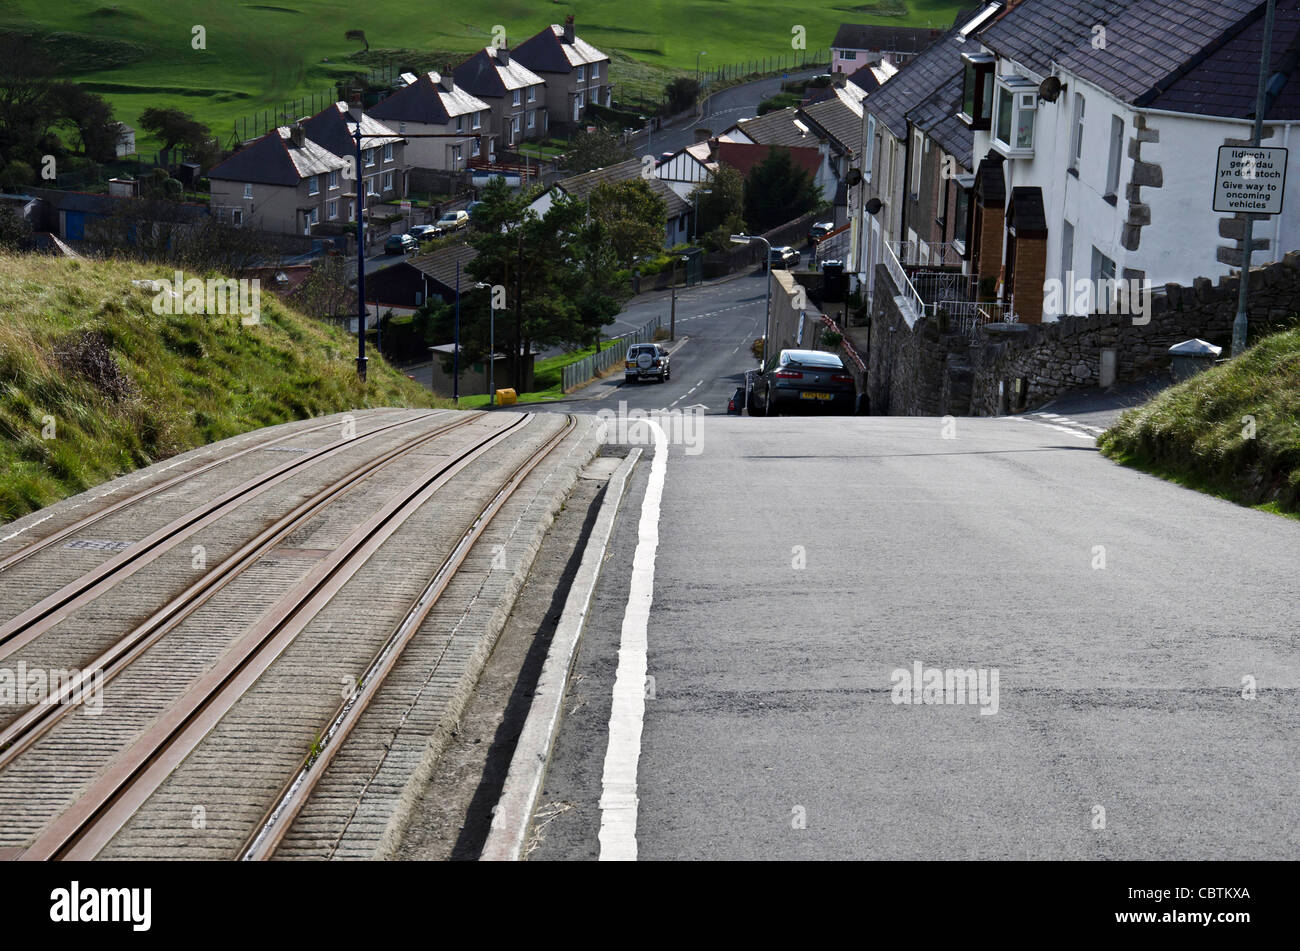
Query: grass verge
point(1233, 431)
point(94, 384)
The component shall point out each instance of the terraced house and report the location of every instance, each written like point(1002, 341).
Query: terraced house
point(515, 95)
point(384, 167)
point(435, 105)
point(282, 183)
point(576, 73)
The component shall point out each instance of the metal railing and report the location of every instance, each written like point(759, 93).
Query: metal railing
point(588, 368)
point(927, 253)
point(901, 281)
point(964, 316)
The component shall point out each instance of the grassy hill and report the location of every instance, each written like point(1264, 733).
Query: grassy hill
point(138, 53)
point(123, 387)
point(1233, 431)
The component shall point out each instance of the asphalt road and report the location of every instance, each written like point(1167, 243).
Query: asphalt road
point(801, 562)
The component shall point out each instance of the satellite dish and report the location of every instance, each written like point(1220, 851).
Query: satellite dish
point(874, 205)
point(853, 178)
point(1049, 90)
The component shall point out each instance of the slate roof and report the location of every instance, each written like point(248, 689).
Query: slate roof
point(937, 117)
point(838, 120)
point(914, 83)
point(483, 74)
point(581, 186)
point(548, 53)
point(331, 128)
point(440, 265)
point(1025, 214)
point(273, 160)
point(900, 39)
point(426, 101)
point(1197, 56)
point(865, 79)
point(775, 128)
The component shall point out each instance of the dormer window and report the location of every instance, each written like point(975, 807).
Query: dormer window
point(977, 90)
point(1016, 108)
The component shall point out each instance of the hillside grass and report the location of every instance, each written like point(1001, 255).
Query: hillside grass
point(145, 387)
point(138, 53)
point(1199, 433)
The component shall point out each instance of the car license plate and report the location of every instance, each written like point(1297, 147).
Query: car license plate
point(816, 396)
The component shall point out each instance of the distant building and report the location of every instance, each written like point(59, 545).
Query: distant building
point(576, 73)
point(857, 45)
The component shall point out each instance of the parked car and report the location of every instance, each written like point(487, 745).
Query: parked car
point(646, 361)
point(736, 405)
point(423, 232)
point(471, 207)
point(400, 244)
point(784, 257)
point(452, 221)
point(803, 379)
point(820, 230)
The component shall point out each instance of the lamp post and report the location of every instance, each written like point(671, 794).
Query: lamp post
point(361, 258)
point(767, 319)
point(672, 321)
point(492, 342)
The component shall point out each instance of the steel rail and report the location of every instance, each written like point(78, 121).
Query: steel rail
point(45, 614)
point(33, 722)
point(275, 824)
point(86, 521)
point(90, 822)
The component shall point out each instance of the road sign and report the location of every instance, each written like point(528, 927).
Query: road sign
point(1250, 179)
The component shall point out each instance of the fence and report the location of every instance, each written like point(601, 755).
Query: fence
point(588, 368)
point(796, 59)
point(905, 288)
point(964, 316)
point(259, 123)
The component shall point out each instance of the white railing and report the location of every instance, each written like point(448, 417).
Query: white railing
point(927, 253)
point(901, 282)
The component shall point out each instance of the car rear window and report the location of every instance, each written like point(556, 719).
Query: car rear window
point(815, 358)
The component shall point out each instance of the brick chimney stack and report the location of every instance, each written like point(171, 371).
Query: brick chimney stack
point(568, 30)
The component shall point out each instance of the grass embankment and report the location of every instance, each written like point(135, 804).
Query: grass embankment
point(94, 384)
point(1233, 431)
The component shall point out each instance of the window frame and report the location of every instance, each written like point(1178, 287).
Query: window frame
point(1115, 160)
point(977, 87)
point(1015, 89)
point(1079, 116)
point(388, 152)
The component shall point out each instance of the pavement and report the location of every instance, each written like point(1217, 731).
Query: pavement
point(1145, 655)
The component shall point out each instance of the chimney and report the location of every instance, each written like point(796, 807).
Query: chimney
point(297, 135)
point(838, 80)
point(503, 56)
point(568, 30)
point(447, 81)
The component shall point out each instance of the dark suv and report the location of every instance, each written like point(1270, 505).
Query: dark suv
point(646, 361)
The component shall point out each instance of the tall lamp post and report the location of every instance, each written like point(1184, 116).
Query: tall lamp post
point(492, 342)
point(767, 319)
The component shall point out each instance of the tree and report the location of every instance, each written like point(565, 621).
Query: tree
point(358, 35)
point(14, 229)
point(25, 113)
point(682, 93)
point(777, 190)
point(718, 200)
point(632, 217)
point(91, 119)
point(174, 128)
point(597, 149)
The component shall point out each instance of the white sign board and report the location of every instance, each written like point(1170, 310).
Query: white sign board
point(1250, 180)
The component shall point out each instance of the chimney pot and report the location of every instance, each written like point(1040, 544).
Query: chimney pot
point(568, 29)
point(447, 81)
point(297, 135)
point(503, 56)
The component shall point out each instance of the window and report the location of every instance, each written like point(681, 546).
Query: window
point(582, 74)
point(370, 186)
point(460, 124)
point(334, 179)
point(313, 216)
point(1067, 255)
point(388, 181)
point(388, 152)
point(313, 185)
point(917, 148)
point(514, 129)
point(579, 100)
point(473, 147)
point(961, 220)
point(352, 211)
point(1103, 268)
point(236, 217)
point(248, 191)
point(517, 98)
point(532, 118)
point(977, 90)
point(369, 157)
point(1116, 154)
point(478, 120)
point(532, 93)
point(332, 209)
point(455, 156)
point(1016, 108)
point(595, 70)
point(1076, 153)
point(871, 148)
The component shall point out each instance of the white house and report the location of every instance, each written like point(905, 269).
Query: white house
point(435, 105)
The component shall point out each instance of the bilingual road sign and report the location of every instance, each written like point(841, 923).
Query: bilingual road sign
point(1250, 180)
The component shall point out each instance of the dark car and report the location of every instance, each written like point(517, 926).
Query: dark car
point(646, 361)
point(784, 257)
point(820, 230)
point(400, 244)
point(736, 405)
point(807, 379)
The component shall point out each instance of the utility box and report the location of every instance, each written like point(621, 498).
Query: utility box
point(1192, 357)
point(507, 397)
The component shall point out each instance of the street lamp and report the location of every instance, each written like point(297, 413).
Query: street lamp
point(672, 322)
point(767, 319)
point(492, 342)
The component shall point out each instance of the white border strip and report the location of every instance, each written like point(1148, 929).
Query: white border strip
point(618, 799)
point(513, 815)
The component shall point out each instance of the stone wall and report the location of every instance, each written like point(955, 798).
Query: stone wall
point(918, 370)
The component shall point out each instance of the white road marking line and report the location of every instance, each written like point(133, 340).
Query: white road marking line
point(618, 798)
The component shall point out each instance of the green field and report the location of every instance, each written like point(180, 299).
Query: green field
point(138, 53)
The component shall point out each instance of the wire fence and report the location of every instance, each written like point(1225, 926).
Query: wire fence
point(588, 368)
point(795, 59)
